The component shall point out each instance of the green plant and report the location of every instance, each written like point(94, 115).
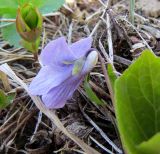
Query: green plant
point(5, 100)
point(28, 14)
point(91, 94)
point(137, 105)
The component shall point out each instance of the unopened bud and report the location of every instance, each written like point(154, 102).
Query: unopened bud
point(90, 62)
point(29, 22)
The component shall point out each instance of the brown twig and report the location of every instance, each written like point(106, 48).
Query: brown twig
point(99, 90)
point(99, 130)
point(2, 131)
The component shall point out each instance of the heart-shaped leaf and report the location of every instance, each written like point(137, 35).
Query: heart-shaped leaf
point(151, 146)
point(9, 34)
point(49, 6)
point(137, 104)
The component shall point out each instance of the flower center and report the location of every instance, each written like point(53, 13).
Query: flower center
point(78, 65)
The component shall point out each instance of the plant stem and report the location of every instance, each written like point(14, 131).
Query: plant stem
point(35, 53)
point(35, 56)
point(131, 11)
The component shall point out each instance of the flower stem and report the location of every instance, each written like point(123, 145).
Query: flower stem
point(35, 53)
point(35, 56)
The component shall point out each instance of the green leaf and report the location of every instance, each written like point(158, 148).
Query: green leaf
point(22, 2)
point(151, 146)
point(8, 11)
point(9, 3)
point(10, 34)
point(5, 100)
point(10, 97)
point(8, 7)
point(91, 95)
point(137, 102)
point(111, 74)
point(49, 6)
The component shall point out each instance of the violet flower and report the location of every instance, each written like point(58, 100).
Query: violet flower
point(64, 68)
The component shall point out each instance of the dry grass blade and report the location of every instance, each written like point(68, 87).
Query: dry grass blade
point(49, 113)
point(107, 78)
point(110, 44)
point(108, 140)
point(100, 145)
point(18, 127)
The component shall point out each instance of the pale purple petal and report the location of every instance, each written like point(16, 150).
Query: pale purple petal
point(56, 52)
point(81, 47)
point(57, 97)
point(47, 78)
